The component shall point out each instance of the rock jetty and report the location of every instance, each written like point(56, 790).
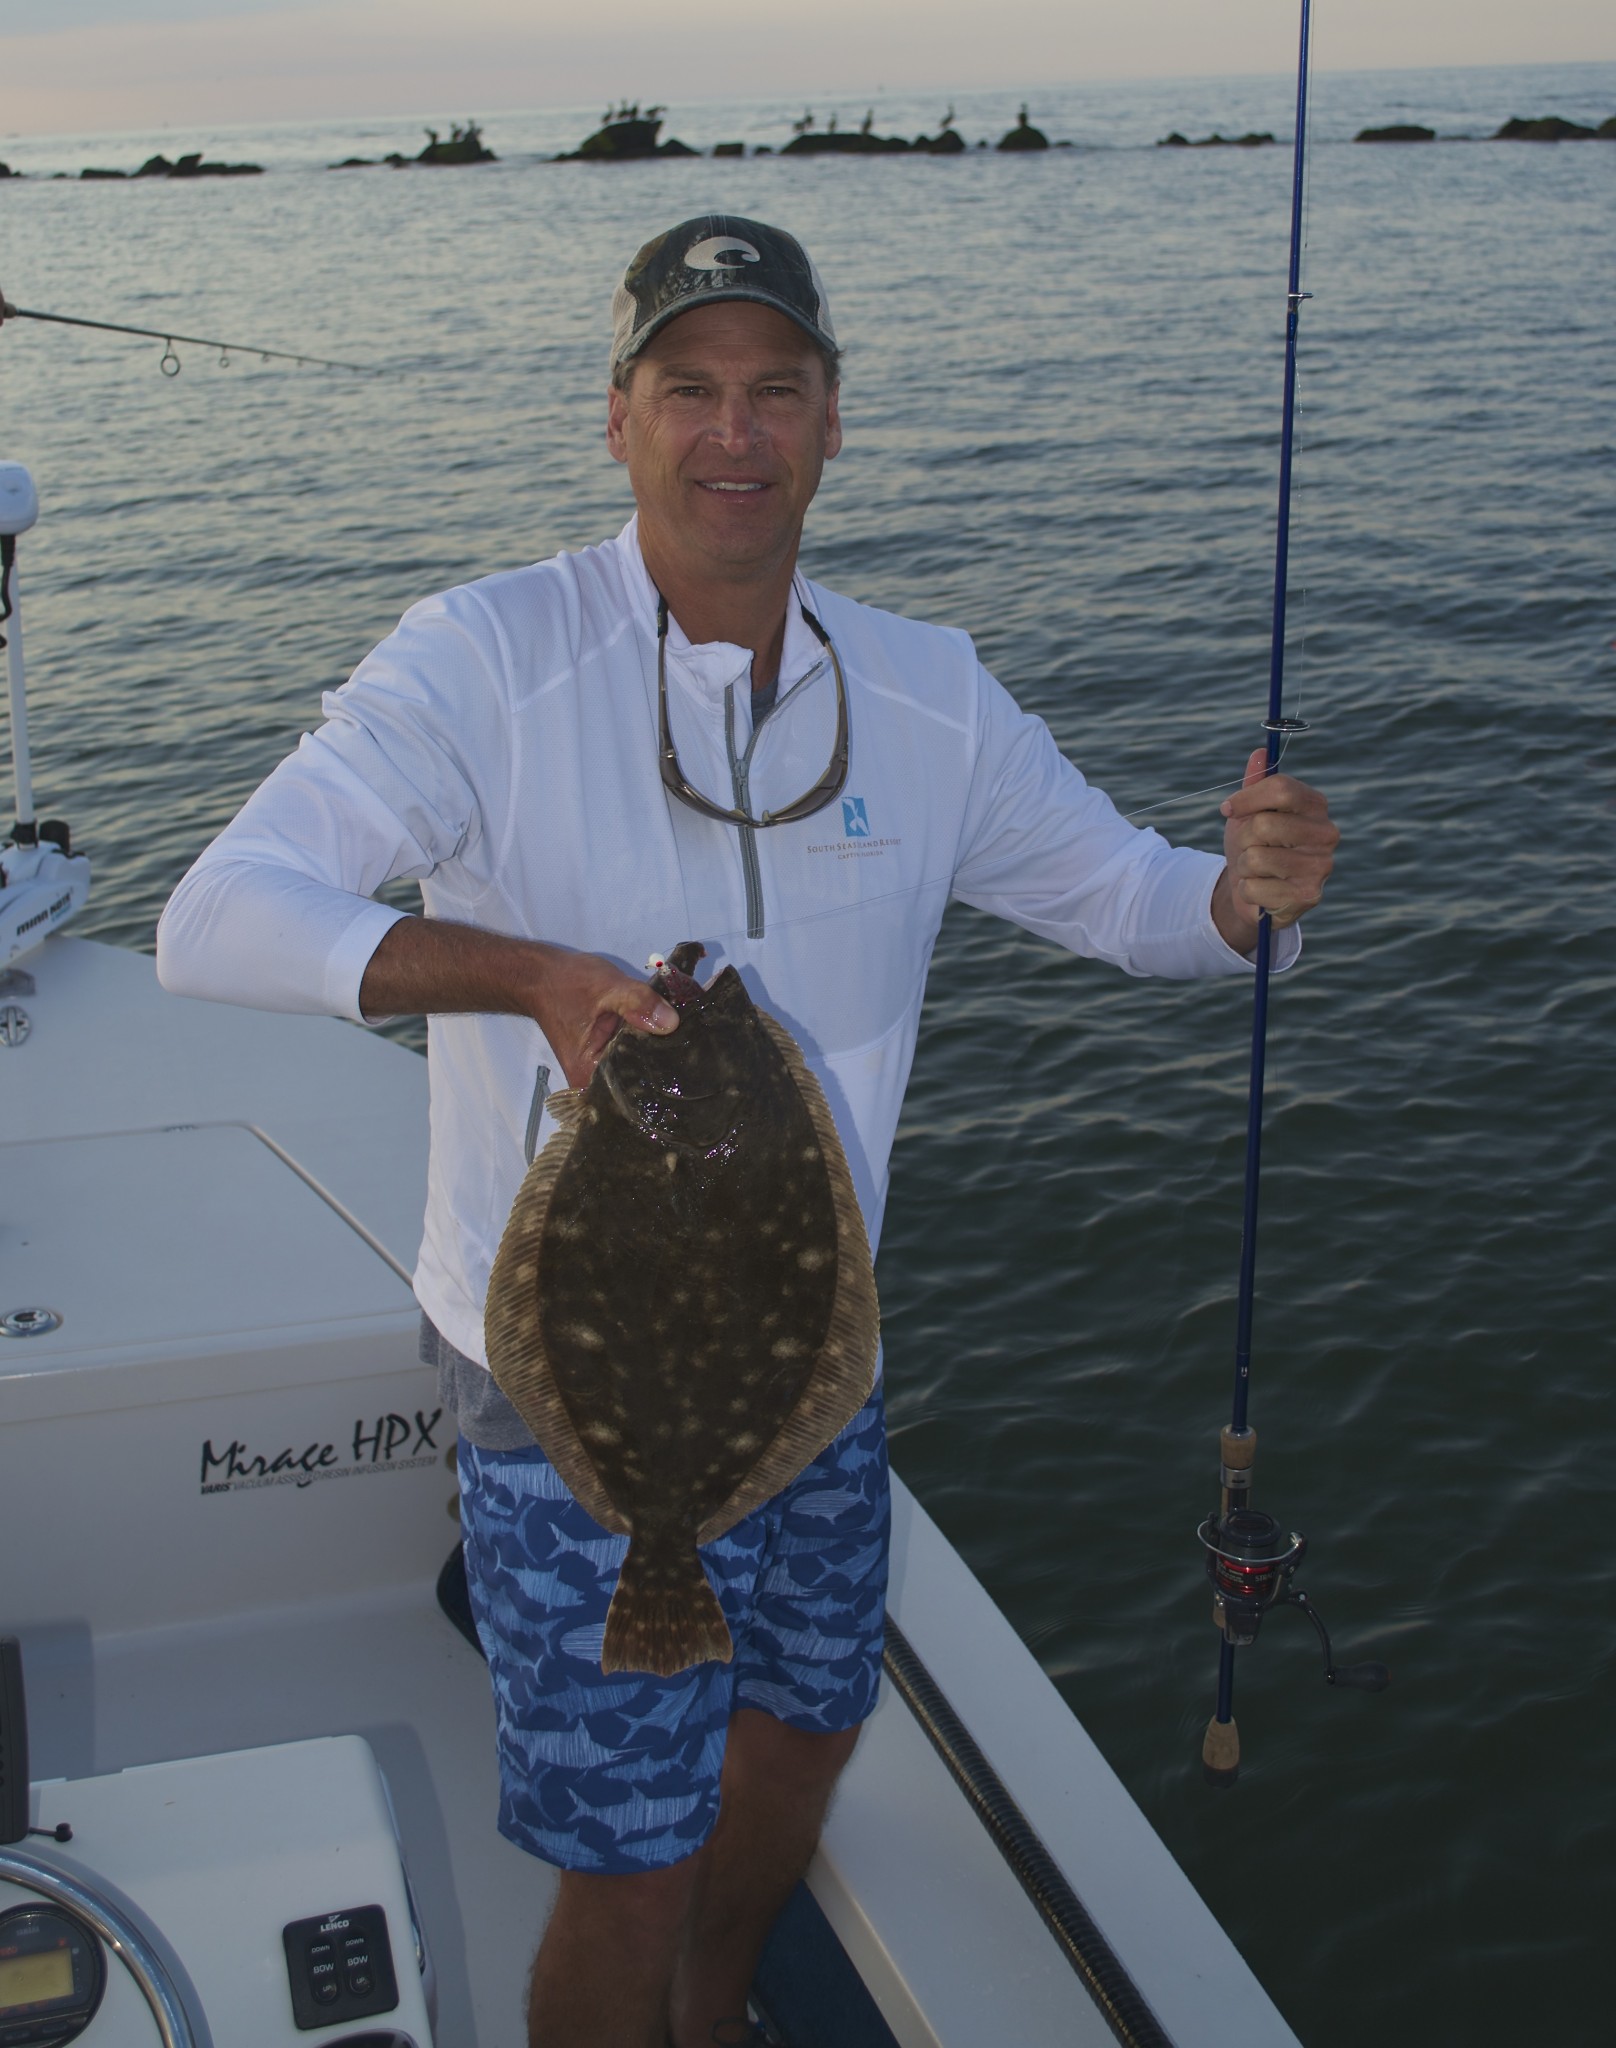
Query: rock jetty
point(1550, 128)
point(809, 139)
point(1214, 141)
point(834, 141)
point(192, 165)
point(465, 146)
point(626, 136)
point(848, 142)
point(1406, 131)
point(1024, 135)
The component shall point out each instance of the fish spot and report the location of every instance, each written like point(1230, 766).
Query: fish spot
point(583, 1334)
point(601, 1434)
point(746, 1443)
point(812, 1257)
point(787, 1347)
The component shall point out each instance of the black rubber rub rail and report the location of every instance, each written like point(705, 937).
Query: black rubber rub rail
point(1036, 1871)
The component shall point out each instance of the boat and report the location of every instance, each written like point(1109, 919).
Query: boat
point(250, 1746)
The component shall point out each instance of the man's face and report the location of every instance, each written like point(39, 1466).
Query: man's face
point(725, 427)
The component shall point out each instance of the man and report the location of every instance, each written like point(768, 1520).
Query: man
point(676, 736)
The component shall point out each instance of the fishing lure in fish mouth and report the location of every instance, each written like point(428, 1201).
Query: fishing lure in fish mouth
point(1250, 1557)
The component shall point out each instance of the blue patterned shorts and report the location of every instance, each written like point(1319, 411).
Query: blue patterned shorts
point(620, 1772)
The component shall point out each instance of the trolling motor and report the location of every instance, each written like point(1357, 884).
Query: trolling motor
point(42, 880)
point(1250, 1560)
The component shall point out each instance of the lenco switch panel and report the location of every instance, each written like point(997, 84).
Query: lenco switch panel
point(340, 1966)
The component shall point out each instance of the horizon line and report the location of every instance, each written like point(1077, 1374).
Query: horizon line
point(557, 107)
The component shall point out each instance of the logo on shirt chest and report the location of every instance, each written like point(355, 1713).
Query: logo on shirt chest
point(859, 839)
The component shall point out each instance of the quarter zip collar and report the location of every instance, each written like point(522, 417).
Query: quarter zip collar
point(710, 701)
point(709, 668)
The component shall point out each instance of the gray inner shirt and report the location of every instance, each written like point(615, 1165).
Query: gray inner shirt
point(469, 1392)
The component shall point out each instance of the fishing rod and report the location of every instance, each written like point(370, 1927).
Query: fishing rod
point(169, 362)
point(1250, 1558)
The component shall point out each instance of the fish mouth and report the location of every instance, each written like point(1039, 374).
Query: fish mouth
point(716, 1142)
point(669, 1116)
point(698, 1136)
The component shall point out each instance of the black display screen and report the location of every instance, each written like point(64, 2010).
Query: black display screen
point(28, 1980)
point(52, 1975)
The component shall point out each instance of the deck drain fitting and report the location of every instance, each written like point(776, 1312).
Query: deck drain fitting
point(30, 1322)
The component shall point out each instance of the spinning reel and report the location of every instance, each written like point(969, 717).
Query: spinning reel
point(1250, 1560)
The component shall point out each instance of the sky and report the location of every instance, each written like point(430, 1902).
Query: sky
point(101, 66)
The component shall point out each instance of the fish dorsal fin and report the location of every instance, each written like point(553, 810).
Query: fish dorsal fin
point(511, 1329)
point(565, 1106)
point(845, 1370)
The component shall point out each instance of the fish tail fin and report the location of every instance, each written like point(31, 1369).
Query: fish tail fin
point(664, 1616)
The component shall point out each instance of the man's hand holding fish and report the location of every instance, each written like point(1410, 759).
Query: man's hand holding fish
point(579, 1001)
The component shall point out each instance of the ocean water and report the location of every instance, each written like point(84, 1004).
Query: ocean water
point(1062, 399)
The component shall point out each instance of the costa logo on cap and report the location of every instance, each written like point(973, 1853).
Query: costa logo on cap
point(714, 257)
point(721, 252)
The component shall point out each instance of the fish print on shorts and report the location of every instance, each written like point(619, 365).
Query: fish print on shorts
point(683, 1308)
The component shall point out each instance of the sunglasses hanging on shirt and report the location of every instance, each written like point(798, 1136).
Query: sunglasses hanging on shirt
point(825, 790)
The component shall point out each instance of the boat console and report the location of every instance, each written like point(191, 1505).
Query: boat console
point(249, 1899)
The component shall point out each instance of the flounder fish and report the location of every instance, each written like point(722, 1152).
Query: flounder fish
point(683, 1309)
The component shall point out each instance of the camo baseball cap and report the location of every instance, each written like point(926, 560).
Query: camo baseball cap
point(716, 256)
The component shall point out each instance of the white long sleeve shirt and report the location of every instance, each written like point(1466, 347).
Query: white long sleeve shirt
point(501, 748)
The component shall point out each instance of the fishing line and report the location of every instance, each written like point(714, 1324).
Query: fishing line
point(169, 362)
point(1166, 803)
